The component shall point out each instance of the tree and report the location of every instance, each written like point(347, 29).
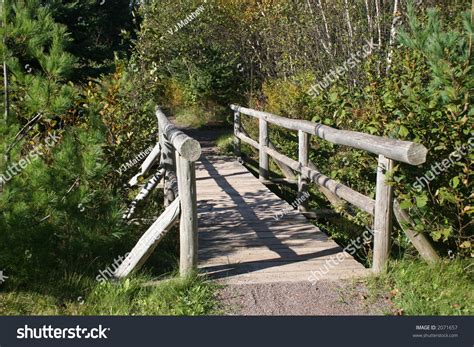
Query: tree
point(4, 62)
point(98, 28)
point(55, 179)
point(393, 33)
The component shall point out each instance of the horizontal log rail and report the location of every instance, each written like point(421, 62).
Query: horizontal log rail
point(186, 146)
point(175, 154)
point(403, 151)
point(359, 200)
point(388, 151)
point(152, 158)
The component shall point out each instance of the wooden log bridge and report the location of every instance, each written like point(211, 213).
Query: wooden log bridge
point(177, 154)
point(247, 234)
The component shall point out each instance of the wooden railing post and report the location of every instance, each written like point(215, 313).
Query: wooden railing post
point(188, 227)
point(303, 158)
point(389, 151)
point(169, 164)
point(237, 130)
point(179, 153)
point(263, 155)
point(383, 215)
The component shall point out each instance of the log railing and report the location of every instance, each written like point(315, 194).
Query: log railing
point(388, 150)
point(174, 156)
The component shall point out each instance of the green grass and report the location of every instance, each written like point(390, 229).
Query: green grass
point(417, 288)
point(197, 117)
point(135, 296)
point(225, 144)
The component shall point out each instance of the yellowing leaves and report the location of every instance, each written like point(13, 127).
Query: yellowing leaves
point(403, 131)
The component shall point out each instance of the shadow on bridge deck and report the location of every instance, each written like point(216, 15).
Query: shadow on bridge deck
point(241, 242)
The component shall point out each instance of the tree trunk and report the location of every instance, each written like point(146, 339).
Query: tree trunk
point(6, 92)
point(379, 29)
point(349, 25)
point(370, 25)
point(378, 21)
point(5, 68)
point(472, 22)
point(310, 9)
point(327, 46)
point(5, 82)
point(393, 34)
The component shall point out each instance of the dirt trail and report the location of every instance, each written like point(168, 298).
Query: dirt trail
point(282, 299)
point(324, 298)
point(207, 137)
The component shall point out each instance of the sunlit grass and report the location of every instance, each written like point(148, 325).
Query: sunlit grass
point(135, 296)
point(417, 288)
point(225, 144)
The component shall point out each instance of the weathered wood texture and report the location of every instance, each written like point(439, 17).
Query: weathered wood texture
point(178, 153)
point(237, 130)
point(335, 201)
point(303, 156)
point(387, 149)
point(168, 162)
point(188, 238)
point(151, 159)
point(148, 242)
point(420, 241)
point(181, 151)
point(287, 172)
point(240, 241)
point(403, 151)
point(189, 148)
point(383, 215)
point(338, 189)
point(144, 192)
point(263, 156)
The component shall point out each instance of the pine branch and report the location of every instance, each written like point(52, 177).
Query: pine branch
point(22, 133)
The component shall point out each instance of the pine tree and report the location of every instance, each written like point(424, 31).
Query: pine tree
point(55, 180)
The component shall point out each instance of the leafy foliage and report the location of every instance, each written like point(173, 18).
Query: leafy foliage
point(426, 98)
point(55, 169)
point(99, 30)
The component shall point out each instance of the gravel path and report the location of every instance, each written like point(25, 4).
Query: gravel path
point(280, 299)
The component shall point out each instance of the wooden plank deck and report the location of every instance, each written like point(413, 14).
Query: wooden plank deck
point(240, 241)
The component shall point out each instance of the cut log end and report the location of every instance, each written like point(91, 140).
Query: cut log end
point(416, 154)
point(191, 150)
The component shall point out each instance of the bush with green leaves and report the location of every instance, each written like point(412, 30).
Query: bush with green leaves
point(192, 68)
point(426, 98)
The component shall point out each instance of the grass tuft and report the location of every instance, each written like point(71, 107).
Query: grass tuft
point(225, 144)
point(188, 296)
point(417, 288)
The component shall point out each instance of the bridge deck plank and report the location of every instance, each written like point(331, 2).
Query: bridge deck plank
point(241, 242)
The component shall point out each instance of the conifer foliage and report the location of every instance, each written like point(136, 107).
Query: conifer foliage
point(54, 189)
